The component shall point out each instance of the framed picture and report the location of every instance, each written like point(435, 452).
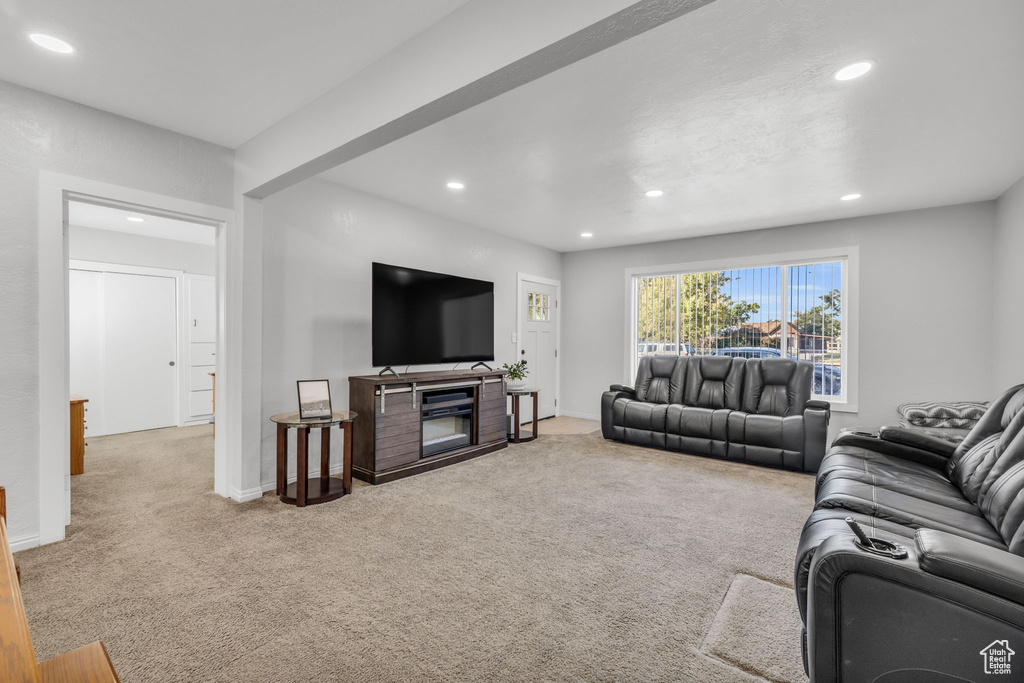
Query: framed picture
point(314, 399)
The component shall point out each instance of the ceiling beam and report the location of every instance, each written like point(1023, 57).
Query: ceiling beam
point(479, 52)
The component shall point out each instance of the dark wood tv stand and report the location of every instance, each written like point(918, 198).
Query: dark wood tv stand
point(388, 444)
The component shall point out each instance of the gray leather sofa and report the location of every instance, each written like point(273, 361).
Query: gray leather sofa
point(947, 605)
point(754, 410)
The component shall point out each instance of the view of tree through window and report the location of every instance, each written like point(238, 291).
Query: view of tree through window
point(792, 311)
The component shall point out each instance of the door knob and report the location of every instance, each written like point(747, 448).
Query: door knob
point(171, 363)
point(523, 352)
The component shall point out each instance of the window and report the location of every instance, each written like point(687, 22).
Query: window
point(792, 310)
point(537, 307)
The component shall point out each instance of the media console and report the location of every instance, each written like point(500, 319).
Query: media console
point(424, 420)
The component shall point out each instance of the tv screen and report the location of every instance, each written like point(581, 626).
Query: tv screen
point(421, 317)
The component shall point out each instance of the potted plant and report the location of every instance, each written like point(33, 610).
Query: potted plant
point(515, 375)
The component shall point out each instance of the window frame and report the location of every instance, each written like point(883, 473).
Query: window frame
point(850, 255)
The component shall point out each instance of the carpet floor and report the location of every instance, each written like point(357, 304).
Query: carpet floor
point(566, 559)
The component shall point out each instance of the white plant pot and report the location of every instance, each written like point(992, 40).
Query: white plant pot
point(515, 384)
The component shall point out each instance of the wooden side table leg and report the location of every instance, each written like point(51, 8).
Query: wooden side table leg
point(302, 467)
point(346, 472)
point(515, 418)
point(325, 452)
point(282, 458)
point(536, 405)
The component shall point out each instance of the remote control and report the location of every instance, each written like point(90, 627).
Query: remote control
point(861, 536)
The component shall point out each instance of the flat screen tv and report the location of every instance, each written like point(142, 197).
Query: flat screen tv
point(421, 317)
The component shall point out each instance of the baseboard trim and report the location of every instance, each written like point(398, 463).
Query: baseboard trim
point(24, 542)
point(246, 495)
point(272, 484)
point(582, 416)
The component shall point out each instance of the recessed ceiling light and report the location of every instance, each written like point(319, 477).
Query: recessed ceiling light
point(849, 197)
point(654, 193)
point(136, 219)
point(852, 71)
point(586, 234)
point(455, 185)
point(51, 43)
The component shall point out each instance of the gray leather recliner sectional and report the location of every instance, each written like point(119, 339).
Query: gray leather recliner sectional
point(754, 410)
point(948, 603)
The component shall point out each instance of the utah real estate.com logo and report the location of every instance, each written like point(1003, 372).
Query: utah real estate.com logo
point(997, 657)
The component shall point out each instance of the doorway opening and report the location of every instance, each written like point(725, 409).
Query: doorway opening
point(142, 325)
point(56, 193)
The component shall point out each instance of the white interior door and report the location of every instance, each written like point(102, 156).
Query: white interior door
point(85, 332)
point(538, 311)
point(140, 352)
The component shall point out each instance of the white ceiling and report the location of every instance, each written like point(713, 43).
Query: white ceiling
point(221, 70)
point(733, 111)
point(106, 218)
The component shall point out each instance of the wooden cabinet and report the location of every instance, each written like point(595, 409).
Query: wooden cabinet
point(388, 443)
point(78, 434)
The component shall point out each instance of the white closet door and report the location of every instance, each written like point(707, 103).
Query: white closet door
point(85, 307)
point(140, 352)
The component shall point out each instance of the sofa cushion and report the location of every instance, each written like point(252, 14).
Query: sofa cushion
point(855, 462)
point(659, 379)
point(776, 386)
point(714, 382)
point(639, 415)
point(698, 431)
point(905, 509)
point(767, 440)
point(1003, 507)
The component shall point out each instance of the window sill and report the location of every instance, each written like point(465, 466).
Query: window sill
point(840, 406)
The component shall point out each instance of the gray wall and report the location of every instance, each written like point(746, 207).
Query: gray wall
point(1008, 292)
point(111, 246)
point(924, 275)
point(319, 241)
point(39, 132)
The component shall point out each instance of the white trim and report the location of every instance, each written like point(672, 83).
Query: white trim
point(583, 416)
point(557, 284)
point(54, 421)
point(24, 542)
point(246, 495)
point(851, 303)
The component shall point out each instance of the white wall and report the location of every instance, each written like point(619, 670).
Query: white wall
point(319, 241)
point(1008, 290)
point(39, 132)
point(924, 276)
point(111, 246)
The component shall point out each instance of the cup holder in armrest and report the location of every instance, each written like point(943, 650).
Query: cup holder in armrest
point(884, 548)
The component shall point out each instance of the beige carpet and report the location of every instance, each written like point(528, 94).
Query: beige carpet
point(759, 612)
point(566, 559)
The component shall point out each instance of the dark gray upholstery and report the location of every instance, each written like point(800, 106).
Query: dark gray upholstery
point(756, 411)
point(959, 514)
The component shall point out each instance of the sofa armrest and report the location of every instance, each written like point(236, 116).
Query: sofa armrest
point(608, 400)
point(968, 562)
point(916, 439)
point(893, 448)
point(816, 417)
point(623, 389)
point(869, 616)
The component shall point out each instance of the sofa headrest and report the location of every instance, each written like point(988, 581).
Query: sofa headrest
point(776, 386)
point(714, 382)
point(659, 379)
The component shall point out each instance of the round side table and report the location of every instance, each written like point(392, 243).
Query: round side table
point(327, 488)
point(515, 393)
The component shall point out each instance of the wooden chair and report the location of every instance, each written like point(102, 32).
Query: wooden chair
point(89, 664)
